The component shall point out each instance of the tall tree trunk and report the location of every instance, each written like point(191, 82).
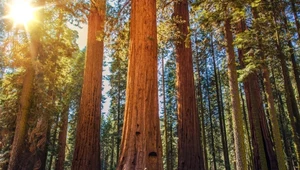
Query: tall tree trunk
point(250, 163)
point(257, 114)
point(22, 117)
point(295, 66)
point(24, 103)
point(37, 139)
point(53, 142)
point(259, 156)
point(112, 152)
point(274, 119)
point(291, 105)
point(202, 127)
point(62, 139)
point(292, 54)
point(257, 104)
point(171, 145)
point(223, 118)
point(294, 10)
point(141, 140)
point(211, 123)
point(165, 115)
point(87, 144)
point(237, 117)
point(289, 91)
point(46, 149)
point(270, 102)
point(190, 153)
point(286, 142)
point(119, 112)
point(223, 132)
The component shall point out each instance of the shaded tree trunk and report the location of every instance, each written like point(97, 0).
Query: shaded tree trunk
point(292, 53)
point(294, 10)
point(141, 140)
point(53, 142)
point(62, 139)
point(221, 119)
point(257, 115)
point(190, 152)
point(46, 150)
point(211, 123)
point(25, 102)
point(112, 152)
point(237, 117)
point(270, 101)
point(87, 144)
point(259, 156)
point(119, 112)
point(202, 127)
point(250, 163)
point(165, 116)
point(22, 118)
point(286, 142)
point(274, 119)
point(289, 91)
point(171, 145)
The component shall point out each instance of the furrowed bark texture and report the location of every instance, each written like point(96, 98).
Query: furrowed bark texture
point(141, 140)
point(190, 152)
point(87, 145)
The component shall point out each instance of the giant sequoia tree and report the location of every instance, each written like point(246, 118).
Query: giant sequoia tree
point(141, 141)
point(25, 100)
point(49, 121)
point(87, 145)
point(190, 151)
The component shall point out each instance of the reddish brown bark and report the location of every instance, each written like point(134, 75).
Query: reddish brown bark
point(87, 145)
point(264, 155)
point(190, 152)
point(25, 102)
point(141, 140)
point(22, 117)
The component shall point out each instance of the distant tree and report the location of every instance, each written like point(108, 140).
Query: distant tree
point(237, 118)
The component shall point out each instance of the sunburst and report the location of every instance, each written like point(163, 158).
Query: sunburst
point(21, 12)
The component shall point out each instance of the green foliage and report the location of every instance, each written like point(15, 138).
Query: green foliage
point(59, 70)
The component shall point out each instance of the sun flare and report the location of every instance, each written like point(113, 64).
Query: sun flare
point(21, 12)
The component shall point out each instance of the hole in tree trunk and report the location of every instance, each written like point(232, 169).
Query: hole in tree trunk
point(152, 154)
point(137, 132)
